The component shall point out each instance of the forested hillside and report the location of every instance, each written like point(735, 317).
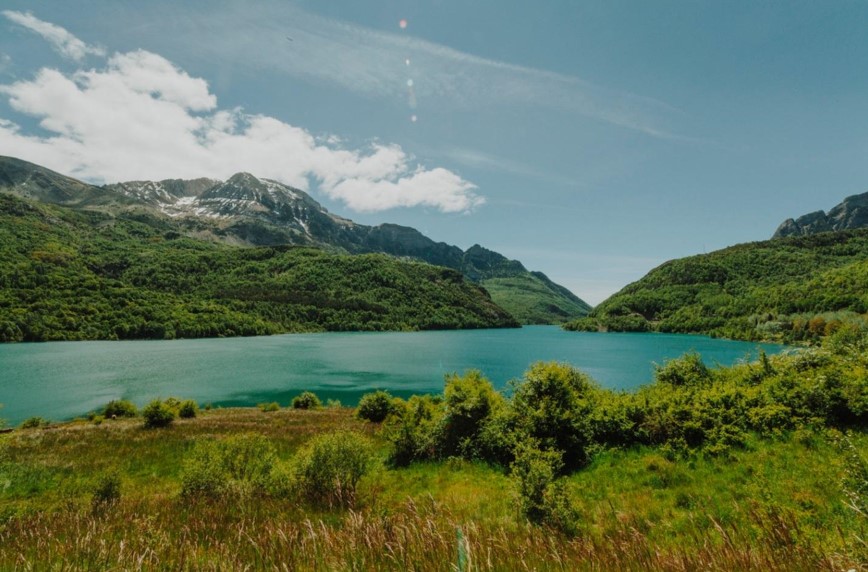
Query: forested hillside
point(789, 289)
point(246, 210)
point(82, 275)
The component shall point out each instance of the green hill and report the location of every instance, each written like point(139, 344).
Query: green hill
point(84, 275)
point(788, 289)
point(246, 210)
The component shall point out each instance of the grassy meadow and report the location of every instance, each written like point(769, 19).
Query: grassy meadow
point(776, 504)
point(759, 466)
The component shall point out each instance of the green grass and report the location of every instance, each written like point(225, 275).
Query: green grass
point(532, 301)
point(778, 504)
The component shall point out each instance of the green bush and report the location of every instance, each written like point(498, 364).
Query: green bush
point(269, 407)
point(107, 490)
point(203, 473)
point(119, 408)
point(374, 407)
point(328, 470)
point(306, 400)
point(685, 370)
point(157, 414)
point(33, 423)
point(188, 409)
point(552, 405)
point(470, 403)
point(239, 465)
point(542, 498)
point(410, 429)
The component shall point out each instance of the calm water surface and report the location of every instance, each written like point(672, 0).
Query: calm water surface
point(64, 379)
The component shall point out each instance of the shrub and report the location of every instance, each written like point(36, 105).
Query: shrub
point(328, 469)
point(411, 427)
point(542, 497)
point(107, 490)
point(188, 409)
point(470, 402)
point(239, 465)
point(173, 403)
point(306, 400)
point(374, 407)
point(33, 423)
point(552, 405)
point(158, 414)
point(269, 407)
point(687, 370)
point(203, 474)
point(119, 408)
point(333, 403)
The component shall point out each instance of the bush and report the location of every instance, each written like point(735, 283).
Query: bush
point(470, 403)
point(238, 465)
point(119, 408)
point(158, 414)
point(306, 400)
point(328, 470)
point(553, 405)
point(411, 427)
point(542, 497)
point(107, 490)
point(374, 407)
point(33, 423)
point(687, 370)
point(269, 407)
point(188, 409)
point(203, 474)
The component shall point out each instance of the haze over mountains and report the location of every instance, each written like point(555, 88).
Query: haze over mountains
point(246, 210)
point(850, 214)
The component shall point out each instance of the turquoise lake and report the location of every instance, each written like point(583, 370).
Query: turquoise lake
point(61, 380)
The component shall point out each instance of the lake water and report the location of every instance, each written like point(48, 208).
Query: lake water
point(62, 380)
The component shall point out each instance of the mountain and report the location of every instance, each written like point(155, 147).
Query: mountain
point(71, 274)
point(788, 289)
point(246, 210)
point(850, 214)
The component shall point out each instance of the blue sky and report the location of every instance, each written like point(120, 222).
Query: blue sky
point(590, 140)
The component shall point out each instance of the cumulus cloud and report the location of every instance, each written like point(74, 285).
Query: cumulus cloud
point(60, 39)
point(141, 117)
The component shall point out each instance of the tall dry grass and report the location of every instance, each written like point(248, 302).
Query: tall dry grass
point(166, 534)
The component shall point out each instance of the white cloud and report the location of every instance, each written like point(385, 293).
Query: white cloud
point(141, 117)
point(60, 39)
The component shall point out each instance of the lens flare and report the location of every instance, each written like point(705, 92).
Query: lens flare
point(407, 61)
point(402, 23)
point(409, 83)
point(413, 118)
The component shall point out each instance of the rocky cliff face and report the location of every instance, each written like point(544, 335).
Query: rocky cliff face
point(850, 214)
point(262, 212)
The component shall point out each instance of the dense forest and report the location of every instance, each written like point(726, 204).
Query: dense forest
point(83, 275)
point(794, 290)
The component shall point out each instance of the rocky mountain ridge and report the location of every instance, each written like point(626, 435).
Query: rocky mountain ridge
point(851, 213)
point(247, 210)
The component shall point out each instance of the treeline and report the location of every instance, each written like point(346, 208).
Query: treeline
point(790, 290)
point(77, 275)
